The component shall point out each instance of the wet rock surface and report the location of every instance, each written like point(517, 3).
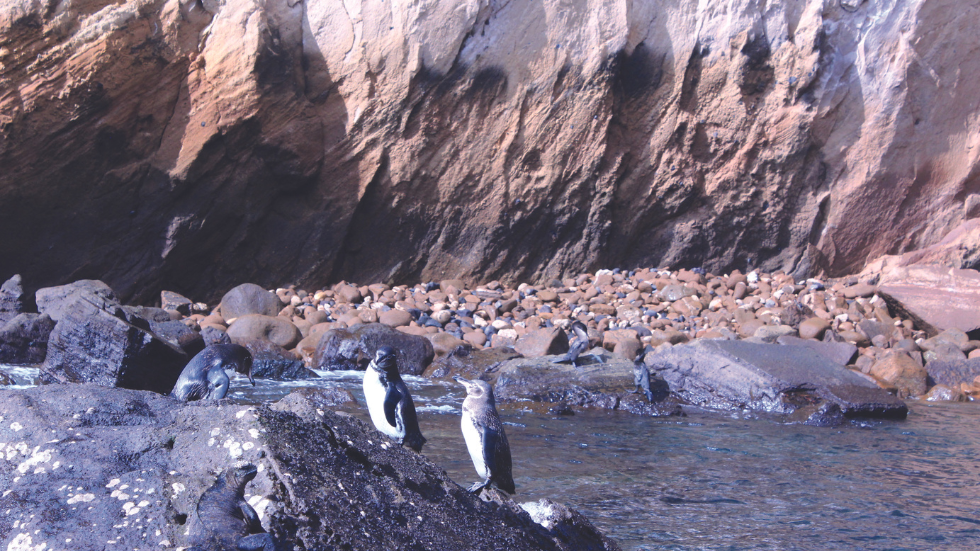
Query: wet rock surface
point(24, 339)
point(353, 348)
point(781, 378)
point(106, 467)
point(608, 384)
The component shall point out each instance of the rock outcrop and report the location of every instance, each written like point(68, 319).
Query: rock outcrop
point(187, 144)
point(98, 467)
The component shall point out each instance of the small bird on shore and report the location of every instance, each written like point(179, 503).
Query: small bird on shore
point(204, 377)
point(641, 375)
point(389, 402)
point(579, 345)
point(485, 438)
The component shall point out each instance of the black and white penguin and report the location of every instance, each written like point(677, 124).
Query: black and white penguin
point(485, 438)
point(579, 345)
point(641, 375)
point(389, 402)
point(204, 377)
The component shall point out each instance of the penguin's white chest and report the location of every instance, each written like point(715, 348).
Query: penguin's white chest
point(474, 444)
point(374, 395)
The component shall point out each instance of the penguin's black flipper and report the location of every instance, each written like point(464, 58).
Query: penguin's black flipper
point(392, 398)
point(252, 522)
point(197, 391)
point(491, 439)
point(413, 436)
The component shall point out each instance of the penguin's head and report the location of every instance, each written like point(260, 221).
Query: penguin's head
point(244, 366)
point(476, 388)
point(386, 359)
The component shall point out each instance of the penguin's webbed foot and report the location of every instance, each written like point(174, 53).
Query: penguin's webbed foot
point(478, 487)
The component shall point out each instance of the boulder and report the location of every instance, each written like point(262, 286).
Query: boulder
point(471, 364)
point(276, 329)
point(770, 333)
point(170, 300)
point(942, 393)
point(271, 361)
point(934, 297)
point(813, 328)
point(607, 385)
point(542, 342)
point(84, 459)
point(395, 318)
point(952, 373)
point(24, 339)
point(900, 371)
point(57, 301)
point(765, 377)
point(249, 298)
point(354, 347)
point(795, 314)
point(90, 345)
point(444, 343)
point(841, 353)
point(189, 340)
point(214, 335)
point(11, 299)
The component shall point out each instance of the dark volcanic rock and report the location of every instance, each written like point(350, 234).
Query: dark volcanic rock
point(94, 465)
point(189, 340)
point(775, 378)
point(271, 361)
point(58, 301)
point(952, 373)
point(91, 345)
point(607, 385)
point(170, 300)
point(213, 335)
point(24, 339)
point(471, 364)
point(11, 303)
point(249, 298)
point(353, 348)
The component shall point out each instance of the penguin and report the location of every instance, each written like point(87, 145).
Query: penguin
point(389, 402)
point(580, 345)
point(204, 377)
point(641, 376)
point(485, 438)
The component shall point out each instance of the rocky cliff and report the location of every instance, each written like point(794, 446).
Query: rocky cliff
point(190, 144)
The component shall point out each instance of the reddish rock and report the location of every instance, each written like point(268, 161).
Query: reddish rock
point(934, 297)
point(542, 342)
point(902, 372)
point(444, 343)
point(271, 328)
point(395, 318)
point(478, 338)
point(813, 328)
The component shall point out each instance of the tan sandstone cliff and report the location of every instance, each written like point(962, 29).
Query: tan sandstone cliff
point(194, 144)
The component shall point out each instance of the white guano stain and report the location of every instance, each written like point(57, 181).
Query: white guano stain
point(35, 458)
point(23, 542)
point(178, 487)
point(81, 498)
point(16, 427)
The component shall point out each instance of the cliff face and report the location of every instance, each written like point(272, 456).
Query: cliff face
point(195, 144)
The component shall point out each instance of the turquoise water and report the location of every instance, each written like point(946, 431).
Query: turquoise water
point(722, 481)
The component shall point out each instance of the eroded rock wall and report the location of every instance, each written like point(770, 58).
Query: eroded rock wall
point(195, 144)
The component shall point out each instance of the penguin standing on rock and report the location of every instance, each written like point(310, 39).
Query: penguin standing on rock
point(580, 345)
point(641, 375)
point(204, 377)
point(485, 438)
point(391, 406)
